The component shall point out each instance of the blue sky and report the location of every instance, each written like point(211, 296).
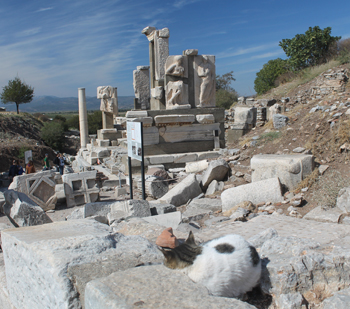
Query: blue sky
point(59, 46)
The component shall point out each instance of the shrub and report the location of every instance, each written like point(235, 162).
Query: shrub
point(73, 122)
point(95, 122)
point(53, 134)
point(21, 152)
point(265, 78)
point(225, 98)
point(62, 120)
point(310, 48)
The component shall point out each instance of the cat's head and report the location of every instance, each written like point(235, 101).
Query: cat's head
point(183, 255)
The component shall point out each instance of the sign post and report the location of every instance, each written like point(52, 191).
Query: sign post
point(135, 151)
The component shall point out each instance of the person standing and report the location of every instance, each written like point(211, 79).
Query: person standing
point(46, 162)
point(56, 161)
point(13, 169)
point(30, 167)
point(62, 161)
point(20, 168)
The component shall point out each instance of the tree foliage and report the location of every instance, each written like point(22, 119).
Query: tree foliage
point(94, 122)
point(225, 94)
point(73, 122)
point(62, 120)
point(265, 78)
point(53, 134)
point(17, 92)
point(308, 49)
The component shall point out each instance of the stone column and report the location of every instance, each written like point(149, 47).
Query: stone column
point(83, 120)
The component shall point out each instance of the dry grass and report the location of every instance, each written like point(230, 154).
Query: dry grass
point(303, 77)
point(329, 186)
point(308, 181)
point(268, 125)
point(244, 141)
point(326, 139)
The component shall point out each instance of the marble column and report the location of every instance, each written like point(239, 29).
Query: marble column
point(83, 119)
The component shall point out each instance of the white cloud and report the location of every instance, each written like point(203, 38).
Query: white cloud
point(181, 3)
point(29, 32)
point(268, 55)
point(243, 51)
point(44, 9)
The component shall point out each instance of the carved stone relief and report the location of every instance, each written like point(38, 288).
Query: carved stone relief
point(177, 95)
point(204, 81)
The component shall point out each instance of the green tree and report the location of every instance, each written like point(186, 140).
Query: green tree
point(225, 94)
point(265, 78)
point(17, 92)
point(73, 122)
point(309, 49)
point(94, 122)
point(62, 120)
point(52, 134)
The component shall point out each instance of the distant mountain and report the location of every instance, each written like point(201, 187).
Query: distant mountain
point(56, 104)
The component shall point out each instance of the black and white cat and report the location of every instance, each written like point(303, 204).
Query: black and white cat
point(227, 266)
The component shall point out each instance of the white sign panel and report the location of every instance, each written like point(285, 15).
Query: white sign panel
point(134, 140)
point(28, 155)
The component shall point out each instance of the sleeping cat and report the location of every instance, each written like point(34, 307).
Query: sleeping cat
point(227, 266)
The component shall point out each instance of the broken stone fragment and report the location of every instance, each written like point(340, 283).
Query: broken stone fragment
point(22, 211)
point(217, 170)
point(167, 239)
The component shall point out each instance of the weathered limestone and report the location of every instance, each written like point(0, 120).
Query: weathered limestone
point(195, 214)
point(138, 226)
point(206, 203)
point(158, 208)
point(176, 94)
point(109, 105)
point(133, 208)
point(204, 81)
point(217, 170)
point(343, 200)
point(245, 114)
point(205, 118)
point(158, 53)
point(214, 186)
point(268, 190)
point(182, 192)
point(62, 257)
point(279, 121)
point(118, 289)
point(339, 300)
point(324, 214)
point(83, 120)
point(171, 219)
point(163, 120)
point(80, 188)
point(195, 167)
point(22, 211)
point(177, 66)
point(290, 169)
point(142, 86)
point(40, 187)
point(156, 187)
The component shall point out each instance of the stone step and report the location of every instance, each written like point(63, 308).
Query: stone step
point(168, 289)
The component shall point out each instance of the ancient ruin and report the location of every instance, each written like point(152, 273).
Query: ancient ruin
point(105, 248)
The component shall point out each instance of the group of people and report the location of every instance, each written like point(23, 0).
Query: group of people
point(17, 169)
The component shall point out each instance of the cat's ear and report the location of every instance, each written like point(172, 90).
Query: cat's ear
point(190, 239)
point(168, 253)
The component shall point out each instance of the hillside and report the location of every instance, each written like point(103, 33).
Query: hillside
point(19, 133)
point(319, 123)
point(57, 104)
